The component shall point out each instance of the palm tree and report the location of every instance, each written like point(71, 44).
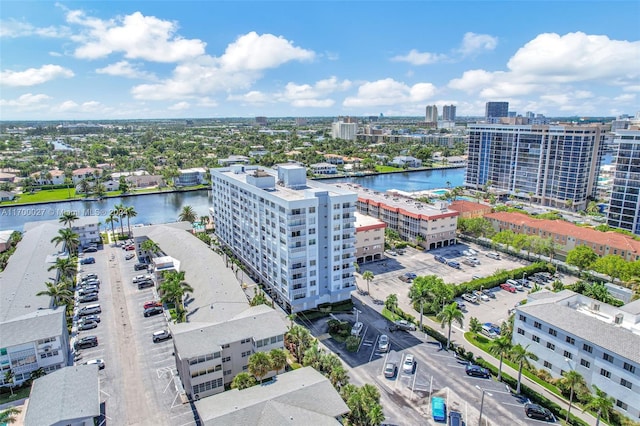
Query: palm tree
point(66, 266)
point(313, 357)
point(367, 276)
point(60, 294)
point(301, 338)
point(130, 212)
point(243, 381)
point(110, 221)
point(449, 314)
point(9, 379)
point(150, 246)
point(278, 359)
point(85, 187)
point(187, 215)
point(118, 209)
point(572, 379)
point(259, 365)
point(601, 403)
point(391, 303)
point(521, 356)
point(173, 289)
point(70, 240)
point(500, 347)
point(68, 218)
point(8, 416)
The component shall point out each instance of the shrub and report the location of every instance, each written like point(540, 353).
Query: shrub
point(352, 343)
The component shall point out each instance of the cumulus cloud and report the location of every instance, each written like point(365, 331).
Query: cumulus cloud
point(389, 92)
point(313, 96)
point(135, 35)
point(255, 52)
point(26, 100)
point(84, 107)
point(473, 44)
point(180, 106)
point(12, 28)
point(419, 58)
point(33, 76)
point(124, 69)
point(252, 97)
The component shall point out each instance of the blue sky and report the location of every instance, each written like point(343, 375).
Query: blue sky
point(158, 59)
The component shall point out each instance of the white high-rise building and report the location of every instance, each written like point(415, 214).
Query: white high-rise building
point(624, 206)
point(297, 237)
point(449, 113)
point(342, 130)
point(431, 114)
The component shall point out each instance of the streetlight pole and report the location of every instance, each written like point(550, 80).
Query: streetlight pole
point(482, 403)
point(357, 312)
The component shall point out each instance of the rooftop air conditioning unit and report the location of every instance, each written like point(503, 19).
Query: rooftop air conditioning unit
point(618, 319)
point(595, 307)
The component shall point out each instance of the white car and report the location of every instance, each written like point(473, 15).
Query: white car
point(408, 364)
point(98, 362)
point(383, 343)
point(357, 329)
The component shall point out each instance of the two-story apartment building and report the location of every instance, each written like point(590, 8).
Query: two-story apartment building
point(431, 226)
point(569, 331)
point(209, 356)
point(369, 238)
point(87, 229)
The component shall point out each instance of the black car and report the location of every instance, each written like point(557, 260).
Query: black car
point(455, 418)
point(145, 284)
point(87, 325)
point(90, 250)
point(535, 411)
point(440, 258)
point(91, 297)
point(86, 342)
point(155, 310)
point(476, 371)
point(140, 267)
point(88, 261)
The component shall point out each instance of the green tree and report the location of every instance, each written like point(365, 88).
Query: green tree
point(582, 257)
point(313, 357)
point(58, 292)
point(150, 247)
point(278, 359)
point(259, 298)
point(504, 237)
point(243, 381)
point(85, 187)
point(300, 339)
point(118, 209)
point(66, 266)
point(601, 403)
point(70, 240)
point(573, 380)
point(130, 212)
point(598, 291)
point(188, 215)
point(521, 356)
point(259, 365)
point(9, 415)
point(9, 379)
point(100, 190)
point(431, 292)
point(123, 186)
point(611, 265)
point(110, 221)
point(364, 405)
point(447, 316)
point(475, 326)
point(68, 218)
point(500, 347)
point(368, 277)
point(391, 303)
point(173, 289)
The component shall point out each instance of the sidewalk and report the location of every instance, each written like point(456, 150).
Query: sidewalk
point(575, 411)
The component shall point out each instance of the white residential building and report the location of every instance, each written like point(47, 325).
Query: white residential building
point(624, 206)
point(569, 331)
point(296, 236)
point(324, 169)
point(190, 177)
point(342, 130)
point(87, 229)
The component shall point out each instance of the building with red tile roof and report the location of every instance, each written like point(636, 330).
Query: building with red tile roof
point(567, 235)
point(469, 209)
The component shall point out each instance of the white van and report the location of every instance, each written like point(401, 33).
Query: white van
point(90, 310)
point(493, 255)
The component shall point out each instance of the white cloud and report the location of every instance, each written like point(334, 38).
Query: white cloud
point(124, 69)
point(207, 102)
point(473, 44)
point(313, 103)
point(67, 106)
point(255, 52)
point(180, 106)
point(88, 107)
point(136, 35)
point(625, 98)
point(26, 100)
point(33, 76)
point(252, 97)
point(12, 28)
point(419, 58)
point(389, 92)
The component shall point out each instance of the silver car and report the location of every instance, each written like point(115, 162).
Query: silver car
point(383, 343)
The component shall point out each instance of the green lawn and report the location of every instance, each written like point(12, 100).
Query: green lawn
point(44, 196)
point(386, 169)
point(17, 394)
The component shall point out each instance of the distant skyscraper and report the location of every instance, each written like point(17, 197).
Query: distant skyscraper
point(262, 121)
point(342, 130)
point(555, 166)
point(624, 206)
point(496, 110)
point(449, 113)
point(431, 114)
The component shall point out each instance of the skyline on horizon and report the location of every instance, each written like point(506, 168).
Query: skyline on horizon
point(150, 60)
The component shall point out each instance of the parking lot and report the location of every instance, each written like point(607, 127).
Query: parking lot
point(137, 385)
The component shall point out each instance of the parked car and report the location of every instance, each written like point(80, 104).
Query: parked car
point(470, 298)
point(145, 284)
point(357, 328)
point(493, 327)
point(535, 411)
point(90, 250)
point(404, 325)
point(86, 342)
point(87, 260)
point(99, 362)
point(408, 364)
point(461, 305)
point(476, 277)
point(155, 310)
point(383, 343)
point(151, 304)
point(129, 256)
point(139, 278)
point(481, 296)
point(477, 371)
point(508, 287)
point(90, 289)
point(129, 248)
point(455, 418)
point(92, 317)
point(404, 279)
point(91, 297)
point(161, 335)
point(87, 325)
point(439, 258)
point(516, 284)
point(390, 369)
point(489, 293)
point(453, 264)
point(411, 275)
point(89, 276)
point(140, 267)
point(90, 310)
point(493, 255)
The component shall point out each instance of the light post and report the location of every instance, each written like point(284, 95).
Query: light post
point(524, 276)
point(356, 312)
point(482, 402)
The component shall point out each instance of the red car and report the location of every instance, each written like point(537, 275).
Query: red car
point(129, 247)
point(151, 304)
point(508, 287)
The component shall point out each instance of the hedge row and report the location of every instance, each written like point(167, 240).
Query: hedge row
point(501, 277)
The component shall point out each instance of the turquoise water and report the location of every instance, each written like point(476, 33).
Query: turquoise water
point(440, 191)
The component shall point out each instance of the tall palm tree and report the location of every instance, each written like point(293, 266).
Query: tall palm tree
point(243, 381)
point(572, 379)
point(110, 221)
point(150, 246)
point(601, 403)
point(419, 293)
point(58, 292)
point(187, 215)
point(130, 212)
point(278, 359)
point(368, 277)
point(313, 356)
point(68, 218)
point(70, 240)
point(500, 347)
point(259, 365)
point(118, 209)
point(173, 290)
point(449, 314)
point(301, 338)
point(521, 356)
point(8, 416)
point(66, 266)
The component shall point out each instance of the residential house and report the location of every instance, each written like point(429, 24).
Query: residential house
point(406, 161)
point(324, 169)
point(85, 173)
point(57, 177)
point(5, 240)
point(87, 229)
point(469, 209)
point(7, 196)
point(233, 159)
